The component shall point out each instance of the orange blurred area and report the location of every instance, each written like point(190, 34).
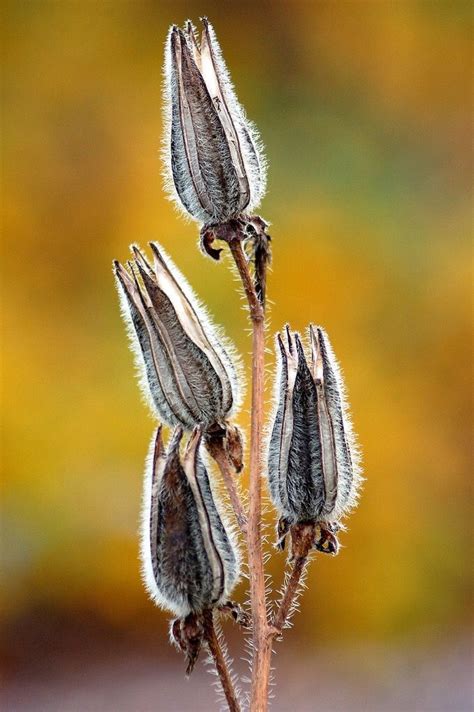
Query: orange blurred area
point(366, 113)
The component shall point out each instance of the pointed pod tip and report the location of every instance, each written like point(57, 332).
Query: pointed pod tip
point(181, 35)
point(123, 276)
point(314, 342)
point(281, 345)
point(321, 334)
point(174, 39)
point(321, 342)
point(173, 457)
point(299, 347)
point(139, 257)
point(196, 435)
point(174, 32)
point(191, 32)
point(159, 263)
point(120, 274)
point(131, 267)
point(144, 269)
point(193, 442)
point(297, 339)
point(156, 252)
point(173, 448)
point(158, 450)
point(139, 267)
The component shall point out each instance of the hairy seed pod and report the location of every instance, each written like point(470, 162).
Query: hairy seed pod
point(188, 377)
point(190, 562)
point(213, 159)
point(313, 464)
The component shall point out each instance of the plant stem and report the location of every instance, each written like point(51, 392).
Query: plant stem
point(289, 595)
point(302, 539)
point(257, 312)
point(261, 633)
point(218, 454)
point(219, 661)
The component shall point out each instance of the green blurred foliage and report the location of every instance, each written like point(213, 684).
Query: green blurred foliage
point(365, 111)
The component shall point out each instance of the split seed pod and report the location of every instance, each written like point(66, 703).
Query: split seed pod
point(313, 464)
point(190, 562)
point(213, 158)
point(188, 377)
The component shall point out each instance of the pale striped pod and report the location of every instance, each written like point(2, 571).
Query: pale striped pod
point(187, 376)
point(214, 162)
point(189, 560)
point(313, 462)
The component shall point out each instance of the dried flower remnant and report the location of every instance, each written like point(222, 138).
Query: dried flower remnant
point(187, 375)
point(190, 561)
point(313, 464)
point(213, 157)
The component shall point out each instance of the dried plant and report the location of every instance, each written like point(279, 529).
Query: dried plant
point(215, 170)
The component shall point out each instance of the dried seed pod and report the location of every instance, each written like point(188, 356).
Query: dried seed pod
point(190, 562)
point(187, 375)
point(213, 158)
point(313, 464)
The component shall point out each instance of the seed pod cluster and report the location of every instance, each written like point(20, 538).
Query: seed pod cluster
point(214, 163)
point(187, 375)
point(190, 562)
point(313, 462)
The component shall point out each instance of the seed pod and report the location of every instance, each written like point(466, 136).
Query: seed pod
point(190, 562)
point(313, 464)
point(187, 376)
point(340, 454)
point(213, 159)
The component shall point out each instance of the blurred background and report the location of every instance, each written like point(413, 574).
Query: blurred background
point(365, 111)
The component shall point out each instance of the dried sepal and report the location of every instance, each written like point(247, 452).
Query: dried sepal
point(313, 463)
point(187, 634)
point(213, 159)
point(188, 377)
point(234, 447)
point(235, 610)
point(190, 562)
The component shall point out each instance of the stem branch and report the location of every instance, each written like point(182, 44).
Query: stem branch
point(302, 540)
point(218, 454)
point(219, 661)
point(257, 313)
point(289, 595)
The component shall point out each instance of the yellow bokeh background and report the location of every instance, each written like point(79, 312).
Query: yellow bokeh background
point(365, 111)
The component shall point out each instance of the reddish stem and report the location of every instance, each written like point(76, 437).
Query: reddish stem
point(261, 632)
point(220, 662)
point(219, 455)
